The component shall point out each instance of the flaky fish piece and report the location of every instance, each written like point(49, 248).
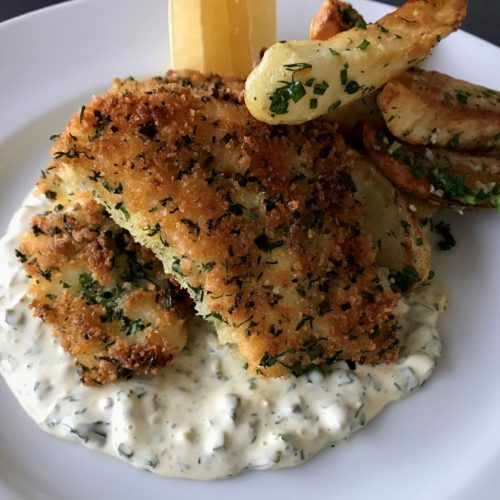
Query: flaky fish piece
point(260, 224)
point(106, 298)
point(431, 108)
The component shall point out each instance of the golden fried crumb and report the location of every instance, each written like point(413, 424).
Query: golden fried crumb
point(109, 303)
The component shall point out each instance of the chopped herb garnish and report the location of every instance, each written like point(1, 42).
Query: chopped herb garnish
point(303, 321)
point(265, 244)
point(47, 274)
point(207, 266)
point(313, 103)
point(454, 142)
point(320, 88)
point(95, 175)
point(334, 52)
point(448, 241)
point(191, 225)
point(296, 66)
point(403, 280)
point(463, 96)
point(343, 75)
point(149, 129)
point(269, 360)
point(50, 195)
point(176, 266)
point(120, 206)
point(363, 45)
point(71, 153)
point(151, 231)
point(21, 256)
point(53, 137)
point(132, 326)
point(296, 91)
point(352, 87)
point(334, 106)
point(360, 24)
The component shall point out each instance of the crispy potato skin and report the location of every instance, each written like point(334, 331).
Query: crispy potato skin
point(333, 17)
point(260, 224)
point(106, 298)
point(440, 175)
point(353, 63)
point(431, 108)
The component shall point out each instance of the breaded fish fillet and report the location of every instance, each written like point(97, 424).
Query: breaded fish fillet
point(107, 299)
point(260, 224)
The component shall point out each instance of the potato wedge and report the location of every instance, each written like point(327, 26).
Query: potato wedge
point(421, 209)
point(301, 80)
point(352, 117)
point(401, 245)
point(333, 17)
point(431, 108)
point(446, 176)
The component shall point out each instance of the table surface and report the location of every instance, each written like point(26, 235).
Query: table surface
point(482, 19)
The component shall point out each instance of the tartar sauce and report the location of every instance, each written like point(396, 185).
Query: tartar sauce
point(205, 417)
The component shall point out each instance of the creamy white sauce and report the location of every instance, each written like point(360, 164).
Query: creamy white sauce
point(204, 417)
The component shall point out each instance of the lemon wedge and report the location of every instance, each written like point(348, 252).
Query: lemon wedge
point(220, 36)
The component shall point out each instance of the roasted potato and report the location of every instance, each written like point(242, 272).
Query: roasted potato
point(445, 176)
point(352, 117)
point(431, 108)
point(333, 17)
point(301, 80)
point(400, 242)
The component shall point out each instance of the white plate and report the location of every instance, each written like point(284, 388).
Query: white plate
point(442, 443)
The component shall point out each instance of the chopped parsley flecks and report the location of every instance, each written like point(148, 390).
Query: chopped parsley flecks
point(448, 241)
point(363, 45)
point(290, 91)
point(402, 281)
point(265, 244)
point(121, 207)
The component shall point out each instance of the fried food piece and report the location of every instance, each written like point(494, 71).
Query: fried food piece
point(301, 80)
point(352, 117)
point(333, 17)
point(106, 298)
point(445, 176)
point(401, 244)
point(260, 224)
point(430, 108)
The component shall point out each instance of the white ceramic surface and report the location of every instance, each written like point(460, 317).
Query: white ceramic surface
point(441, 443)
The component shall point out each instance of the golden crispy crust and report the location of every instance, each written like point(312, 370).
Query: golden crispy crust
point(333, 17)
point(431, 108)
point(440, 175)
point(260, 224)
point(106, 298)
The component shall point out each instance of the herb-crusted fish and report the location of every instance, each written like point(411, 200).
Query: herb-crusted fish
point(260, 224)
point(107, 299)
